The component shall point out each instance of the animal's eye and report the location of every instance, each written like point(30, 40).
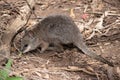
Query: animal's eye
point(26, 45)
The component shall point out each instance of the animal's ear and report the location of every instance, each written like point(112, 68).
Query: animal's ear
point(26, 32)
point(23, 33)
point(31, 34)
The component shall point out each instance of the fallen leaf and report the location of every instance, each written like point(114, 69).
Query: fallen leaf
point(72, 13)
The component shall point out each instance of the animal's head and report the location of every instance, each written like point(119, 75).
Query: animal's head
point(29, 42)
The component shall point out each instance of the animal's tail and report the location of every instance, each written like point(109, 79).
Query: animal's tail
point(81, 45)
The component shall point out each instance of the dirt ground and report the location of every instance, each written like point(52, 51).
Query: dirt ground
point(69, 65)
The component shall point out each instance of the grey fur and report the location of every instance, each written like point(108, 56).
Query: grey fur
point(57, 30)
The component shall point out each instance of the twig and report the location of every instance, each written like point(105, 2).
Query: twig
point(100, 13)
point(38, 18)
point(76, 69)
point(31, 8)
point(86, 7)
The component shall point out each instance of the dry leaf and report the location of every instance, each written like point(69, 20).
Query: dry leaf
point(90, 68)
point(85, 16)
point(72, 13)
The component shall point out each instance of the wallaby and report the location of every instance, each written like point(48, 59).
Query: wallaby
point(57, 30)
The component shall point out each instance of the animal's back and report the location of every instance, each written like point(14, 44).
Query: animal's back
point(58, 28)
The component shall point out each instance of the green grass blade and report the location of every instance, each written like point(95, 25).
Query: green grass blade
point(8, 65)
point(3, 74)
point(14, 78)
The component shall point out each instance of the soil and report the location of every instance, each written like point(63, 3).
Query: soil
point(71, 64)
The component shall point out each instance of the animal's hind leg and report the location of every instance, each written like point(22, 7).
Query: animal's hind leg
point(56, 47)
